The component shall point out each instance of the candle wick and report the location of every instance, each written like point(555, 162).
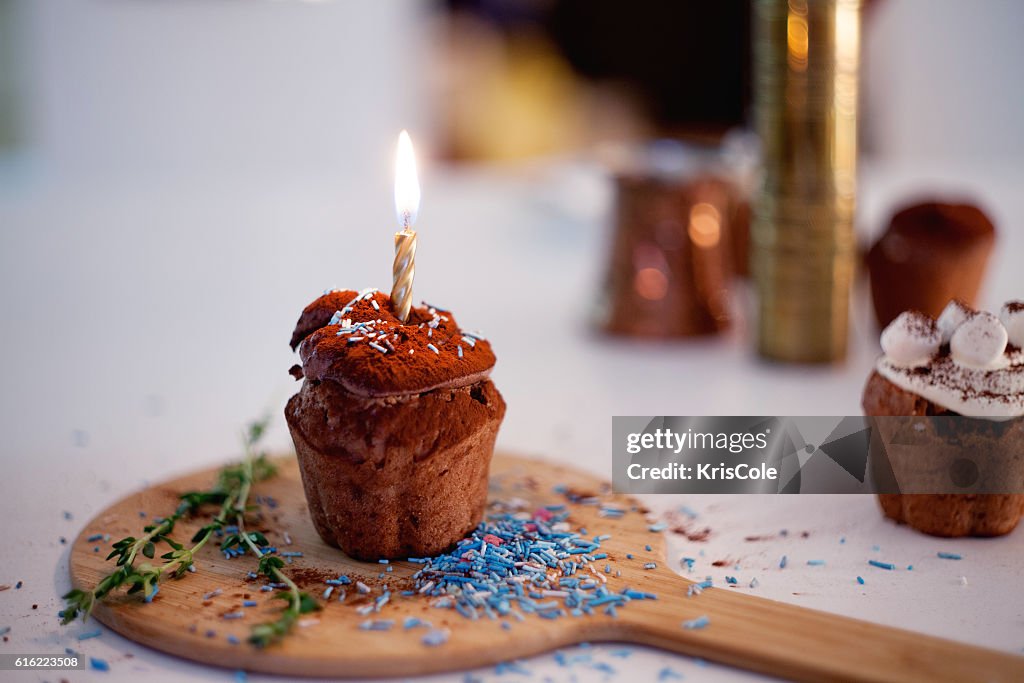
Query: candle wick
point(406, 220)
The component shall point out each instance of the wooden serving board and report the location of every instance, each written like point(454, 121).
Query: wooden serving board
point(744, 631)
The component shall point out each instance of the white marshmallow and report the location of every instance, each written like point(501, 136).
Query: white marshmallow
point(979, 342)
point(911, 339)
point(953, 316)
point(1012, 317)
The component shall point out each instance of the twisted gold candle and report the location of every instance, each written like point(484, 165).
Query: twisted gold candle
point(403, 271)
point(407, 203)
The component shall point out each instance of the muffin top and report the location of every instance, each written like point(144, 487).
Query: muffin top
point(967, 361)
point(354, 339)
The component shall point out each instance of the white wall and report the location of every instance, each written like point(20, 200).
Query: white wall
point(944, 80)
point(220, 85)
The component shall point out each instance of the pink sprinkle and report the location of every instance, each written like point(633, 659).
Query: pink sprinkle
point(493, 540)
point(542, 513)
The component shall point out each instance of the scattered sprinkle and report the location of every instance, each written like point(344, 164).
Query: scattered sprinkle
point(436, 637)
point(669, 673)
point(816, 563)
point(87, 635)
point(963, 580)
point(860, 580)
point(698, 623)
point(782, 562)
point(377, 625)
point(97, 664)
point(882, 565)
point(950, 556)
point(433, 348)
point(660, 526)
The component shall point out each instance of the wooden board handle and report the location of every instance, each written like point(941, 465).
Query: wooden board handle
point(802, 644)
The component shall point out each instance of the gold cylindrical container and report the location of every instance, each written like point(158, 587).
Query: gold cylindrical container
point(806, 61)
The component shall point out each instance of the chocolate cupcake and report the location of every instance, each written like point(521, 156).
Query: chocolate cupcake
point(968, 364)
point(930, 253)
point(394, 426)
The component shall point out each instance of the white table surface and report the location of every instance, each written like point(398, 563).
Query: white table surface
point(146, 319)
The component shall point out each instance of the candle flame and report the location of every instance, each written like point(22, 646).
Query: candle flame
point(407, 185)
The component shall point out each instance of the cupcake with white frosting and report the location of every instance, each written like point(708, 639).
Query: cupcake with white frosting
point(966, 363)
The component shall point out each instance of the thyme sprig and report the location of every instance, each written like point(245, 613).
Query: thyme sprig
point(231, 492)
point(270, 567)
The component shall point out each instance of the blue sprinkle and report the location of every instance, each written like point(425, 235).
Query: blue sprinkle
point(240, 676)
point(233, 639)
point(698, 623)
point(621, 653)
point(98, 664)
point(385, 561)
point(860, 580)
point(210, 633)
point(816, 563)
point(94, 538)
point(842, 540)
point(660, 526)
point(88, 634)
point(950, 556)
point(882, 565)
point(667, 673)
point(647, 548)
point(629, 556)
point(249, 603)
point(67, 515)
point(435, 637)
point(782, 562)
point(233, 615)
point(910, 567)
point(731, 579)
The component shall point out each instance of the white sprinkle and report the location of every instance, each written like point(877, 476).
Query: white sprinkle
point(412, 351)
point(377, 346)
point(963, 580)
point(433, 348)
point(373, 302)
point(305, 623)
point(355, 339)
point(469, 340)
point(430, 332)
point(754, 582)
point(362, 587)
point(287, 539)
point(475, 335)
point(460, 352)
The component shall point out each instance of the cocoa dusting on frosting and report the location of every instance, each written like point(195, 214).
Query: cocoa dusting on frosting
point(354, 339)
point(976, 373)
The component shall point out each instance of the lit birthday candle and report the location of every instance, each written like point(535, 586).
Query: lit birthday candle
point(407, 203)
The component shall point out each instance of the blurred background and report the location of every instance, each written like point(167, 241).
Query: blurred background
point(177, 180)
